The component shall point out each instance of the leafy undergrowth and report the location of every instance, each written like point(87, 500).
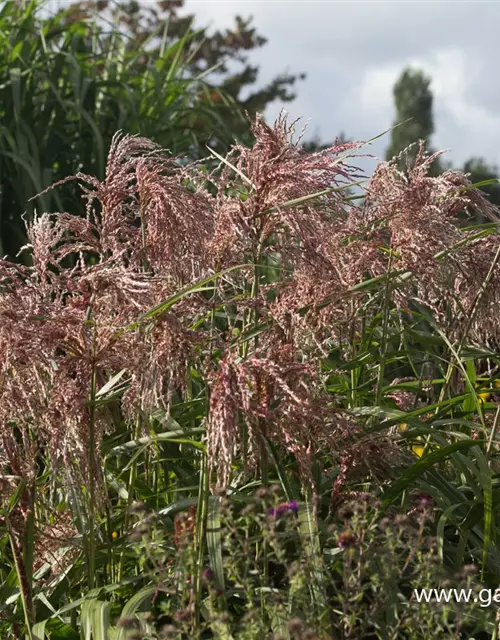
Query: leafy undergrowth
point(251, 402)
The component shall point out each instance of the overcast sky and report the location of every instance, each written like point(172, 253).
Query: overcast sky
point(353, 51)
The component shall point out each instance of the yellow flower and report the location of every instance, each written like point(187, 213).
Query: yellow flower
point(114, 535)
point(418, 449)
point(485, 394)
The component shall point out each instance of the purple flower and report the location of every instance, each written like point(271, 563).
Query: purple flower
point(424, 500)
point(293, 506)
point(283, 508)
point(208, 574)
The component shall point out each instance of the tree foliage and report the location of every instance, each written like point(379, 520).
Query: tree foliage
point(414, 118)
point(223, 53)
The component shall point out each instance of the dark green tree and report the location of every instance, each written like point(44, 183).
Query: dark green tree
point(481, 171)
point(69, 81)
point(414, 118)
point(223, 55)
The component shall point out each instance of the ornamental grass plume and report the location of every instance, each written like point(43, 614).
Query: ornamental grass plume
point(144, 214)
point(420, 218)
point(65, 321)
point(262, 215)
point(477, 292)
point(279, 399)
point(418, 212)
point(420, 221)
point(275, 171)
point(77, 315)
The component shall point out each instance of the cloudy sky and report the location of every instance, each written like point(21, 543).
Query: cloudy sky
point(353, 51)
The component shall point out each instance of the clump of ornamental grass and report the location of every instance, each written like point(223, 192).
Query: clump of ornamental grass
point(78, 315)
point(138, 286)
point(65, 326)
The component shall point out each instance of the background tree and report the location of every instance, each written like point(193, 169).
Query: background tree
point(222, 55)
point(69, 81)
point(481, 171)
point(413, 99)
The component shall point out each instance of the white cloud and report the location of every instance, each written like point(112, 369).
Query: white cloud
point(375, 90)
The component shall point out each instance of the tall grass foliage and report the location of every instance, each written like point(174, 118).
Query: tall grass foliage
point(67, 84)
